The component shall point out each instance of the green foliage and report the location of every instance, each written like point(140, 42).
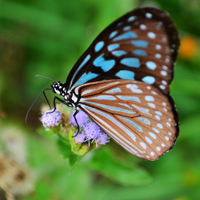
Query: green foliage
point(47, 38)
point(119, 171)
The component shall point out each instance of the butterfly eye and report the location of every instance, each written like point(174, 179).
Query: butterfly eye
point(53, 89)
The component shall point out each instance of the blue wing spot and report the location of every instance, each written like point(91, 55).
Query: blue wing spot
point(99, 46)
point(119, 24)
point(148, 79)
point(105, 65)
point(80, 66)
point(140, 43)
point(119, 53)
point(127, 28)
point(140, 52)
point(151, 65)
point(151, 35)
point(125, 74)
point(130, 62)
point(111, 47)
point(113, 34)
point(130, 19)
point(126, 35)
point(84, 78)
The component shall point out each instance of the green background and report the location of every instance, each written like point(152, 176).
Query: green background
point(47, 37)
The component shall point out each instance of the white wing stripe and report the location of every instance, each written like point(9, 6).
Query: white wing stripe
point(129, 98)
point(144, 120)
point(122, 143)
point(131, 149)
point(102, 97)
point(117, 136)
point(107, 107)
point(92, 90)
point(114, 90)
point(143, 110)
point(136, 126)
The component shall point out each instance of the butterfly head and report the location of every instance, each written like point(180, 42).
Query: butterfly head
point(59, 88)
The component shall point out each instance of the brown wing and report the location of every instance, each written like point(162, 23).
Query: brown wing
point(136, 115)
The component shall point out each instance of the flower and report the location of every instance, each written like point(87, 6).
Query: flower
point(82, 118)
point(80, 138)
point(51, 119)
point(89, 131)
point(75, 129)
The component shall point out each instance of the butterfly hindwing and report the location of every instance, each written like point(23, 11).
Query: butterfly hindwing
point(142, 45)
point(136, 115)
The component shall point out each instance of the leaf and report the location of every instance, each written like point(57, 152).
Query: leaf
point(124, 174)
point(65, 149)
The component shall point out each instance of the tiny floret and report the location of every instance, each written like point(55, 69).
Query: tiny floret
point(81, 117)
point(80, 138)
point(51, 119)
point(89, 131)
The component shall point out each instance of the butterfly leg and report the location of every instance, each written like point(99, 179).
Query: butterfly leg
point(78, 129)
point(76, 112)
point(54, 103)
point(46, 99)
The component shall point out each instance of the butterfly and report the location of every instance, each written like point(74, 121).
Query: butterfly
point(122, 82)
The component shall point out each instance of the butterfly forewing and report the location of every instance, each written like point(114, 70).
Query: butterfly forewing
point(136, 115)
point(142, 45)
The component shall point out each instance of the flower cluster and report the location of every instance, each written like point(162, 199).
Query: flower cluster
point(88, 130)
point(51, 119)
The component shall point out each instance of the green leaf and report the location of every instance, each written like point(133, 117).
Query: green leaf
point(104, 162)
point(64, 146)
point(65, 149)
point(42, 191)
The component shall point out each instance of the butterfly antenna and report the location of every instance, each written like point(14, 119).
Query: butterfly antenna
point(44, 77)
point(35, 101)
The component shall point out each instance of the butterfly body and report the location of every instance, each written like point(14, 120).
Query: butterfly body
point(60, 89)
point(122, 82)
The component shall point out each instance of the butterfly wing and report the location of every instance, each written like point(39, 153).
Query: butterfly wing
point(136, 115)
point(142, 45)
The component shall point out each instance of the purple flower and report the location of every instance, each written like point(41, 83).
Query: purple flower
point(81, 117)
point(90, 131)
point(80, 137)
point(102, 139)
point(51, 119)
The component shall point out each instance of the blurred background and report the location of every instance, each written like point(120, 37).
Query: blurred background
point(47, 38)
